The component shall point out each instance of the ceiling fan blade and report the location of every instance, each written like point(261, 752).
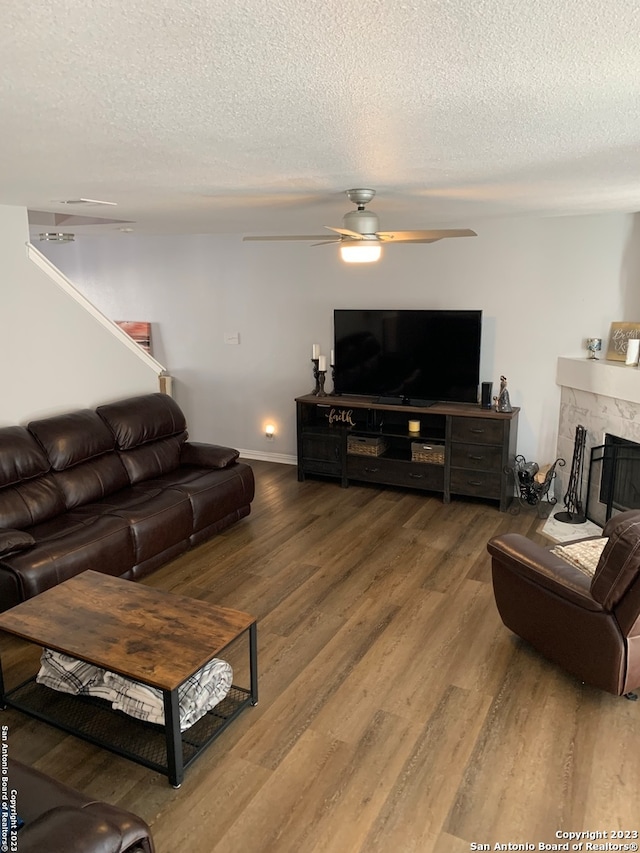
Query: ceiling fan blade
point(289, 237)
point(346, 232)
point(423, 236)
point(328, 243)
point(389, 240)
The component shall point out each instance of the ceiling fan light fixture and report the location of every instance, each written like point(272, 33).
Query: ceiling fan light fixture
point(361, 252)
point(360, 238)
point(57, 237)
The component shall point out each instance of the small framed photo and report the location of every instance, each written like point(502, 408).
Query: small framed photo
point(618, 336)
point(139, 331)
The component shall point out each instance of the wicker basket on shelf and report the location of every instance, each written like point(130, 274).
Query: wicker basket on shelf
point(433, 453)
point(366, 446)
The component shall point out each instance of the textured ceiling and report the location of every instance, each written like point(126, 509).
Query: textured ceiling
point(254, 116)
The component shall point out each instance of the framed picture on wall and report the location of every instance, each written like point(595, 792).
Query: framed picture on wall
point(618, 336)
point(139, 331)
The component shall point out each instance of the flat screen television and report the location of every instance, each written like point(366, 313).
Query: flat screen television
point(415, 356)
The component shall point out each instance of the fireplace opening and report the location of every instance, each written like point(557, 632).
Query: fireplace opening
point(614, 478)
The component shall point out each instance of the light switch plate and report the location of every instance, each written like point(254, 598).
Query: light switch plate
point(232, 337)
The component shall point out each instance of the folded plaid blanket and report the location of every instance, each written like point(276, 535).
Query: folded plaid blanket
point(70, 675)
point(200, 693)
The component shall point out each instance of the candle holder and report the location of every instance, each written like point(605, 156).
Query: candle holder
point(594, 345)
point(316, 362)
point(333, 379)
point(321, 377)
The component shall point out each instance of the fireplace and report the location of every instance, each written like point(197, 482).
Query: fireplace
point(604, 397)
point(614, 478)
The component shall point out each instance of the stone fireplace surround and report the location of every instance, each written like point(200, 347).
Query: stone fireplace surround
point(604, 397)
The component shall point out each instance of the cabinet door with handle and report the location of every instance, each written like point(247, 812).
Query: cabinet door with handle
point(323, 454)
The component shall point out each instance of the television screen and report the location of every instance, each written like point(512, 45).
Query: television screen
point(418, 356)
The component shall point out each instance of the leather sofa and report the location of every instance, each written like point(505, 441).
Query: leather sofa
point(118, 489)
point(59, 819)
point(587, 624)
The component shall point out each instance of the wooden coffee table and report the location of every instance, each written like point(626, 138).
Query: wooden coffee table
point(153, 637)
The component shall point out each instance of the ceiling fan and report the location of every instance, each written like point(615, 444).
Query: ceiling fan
point(359, 238)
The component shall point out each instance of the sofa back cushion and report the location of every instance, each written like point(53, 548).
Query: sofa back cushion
point(91, 481)
point(149, 431)
point(72, 438)
point(81, 450)
point(152, 460)
point(140, 420)
point(21, 457)
point(619, 564)
point(28, 493)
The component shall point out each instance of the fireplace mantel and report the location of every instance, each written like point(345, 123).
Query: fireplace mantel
point(605, 378)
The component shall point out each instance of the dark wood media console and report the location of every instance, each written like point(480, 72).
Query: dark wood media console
point(459, 449)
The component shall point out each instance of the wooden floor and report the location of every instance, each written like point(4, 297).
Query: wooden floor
point(396, 712)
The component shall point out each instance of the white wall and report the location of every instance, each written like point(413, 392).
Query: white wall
point(55, 356)
point(544, 286)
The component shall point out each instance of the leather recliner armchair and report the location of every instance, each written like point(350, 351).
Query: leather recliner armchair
point(590, 626)
point(59, 819)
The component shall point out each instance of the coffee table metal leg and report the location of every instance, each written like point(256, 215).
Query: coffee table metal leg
point(175, 763)
point(253, 661)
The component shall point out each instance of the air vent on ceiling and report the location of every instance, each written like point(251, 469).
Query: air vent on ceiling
point(57, 237)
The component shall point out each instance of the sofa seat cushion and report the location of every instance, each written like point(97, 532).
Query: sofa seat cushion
point(213, 494)
point(68, 545)
point(158, 517)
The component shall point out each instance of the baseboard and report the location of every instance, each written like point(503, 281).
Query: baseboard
point(282, 458)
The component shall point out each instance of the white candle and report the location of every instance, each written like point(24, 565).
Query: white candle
point(322, 362)
point(315, 351)
point(332, 360)
point(633, 350)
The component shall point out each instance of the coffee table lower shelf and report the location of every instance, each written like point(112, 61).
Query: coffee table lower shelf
point(94, 720)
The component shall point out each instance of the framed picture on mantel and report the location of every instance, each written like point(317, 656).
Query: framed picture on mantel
point(619, 335)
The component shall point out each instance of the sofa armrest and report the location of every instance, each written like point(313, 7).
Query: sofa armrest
point(208, 455)
point(14, 540)
point(540, 566)
point(67, 829)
